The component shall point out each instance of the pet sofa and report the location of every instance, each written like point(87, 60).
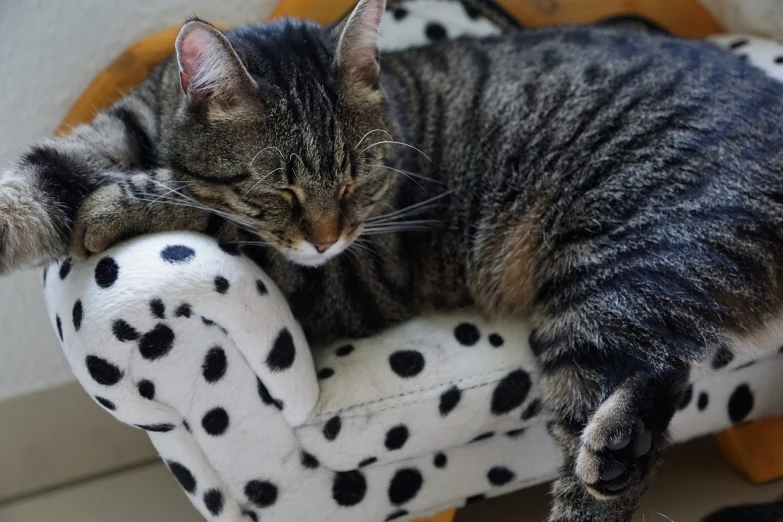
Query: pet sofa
point(189, 340)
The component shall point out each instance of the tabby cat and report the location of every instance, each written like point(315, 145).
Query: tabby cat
point(620, 191)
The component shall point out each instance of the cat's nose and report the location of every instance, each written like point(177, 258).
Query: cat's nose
point(323, 247)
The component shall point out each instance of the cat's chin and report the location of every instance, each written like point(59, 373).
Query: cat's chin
point(305, 253)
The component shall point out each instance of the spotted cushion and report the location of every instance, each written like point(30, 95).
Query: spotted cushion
point(192, 342)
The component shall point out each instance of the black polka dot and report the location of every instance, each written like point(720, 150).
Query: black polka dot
point(147, 389)
point(45, 273)
point(703, 402)
point(449, 400)
point(266, 397)
point(500, 476)
point(472, 12)
point(396, 437)
point(723, 358)
point(221, 285)
point(440, 461)
point(183, 476)
point(368, 462)
point(283, 353)
point(510, 392)
point(496, 340)
point(215, 422)
point(349, 488)
point(214, 366)
point(261, 493)
point(740, 403)
point(474, 499)
point(736, 44)
point(515, 433)
point(177, 254)
point(399, 13)
point(123, 331)
point(229, 248)
point(106, 272)
point(344, 351)
point(685, 397)
point(157, 342)
point(65, 267)
point(261, 287)
point(406, 363)
point(484, 436)
point(183, 310)
point(467, 334)
point(213, 500)
point(435, 31)
point(397, 514)
point(78, 314)
point(106, 403)
point(156, 428)
point(325, 373)
point(157, 308)
point(308, 461)
point(533, 409)
point(250, 514)
point(405, 485)
point(59, 324)
point(779, 59)
point(332, 428)
point(102, 371)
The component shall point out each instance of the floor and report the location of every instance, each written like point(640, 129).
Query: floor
point(694, 482)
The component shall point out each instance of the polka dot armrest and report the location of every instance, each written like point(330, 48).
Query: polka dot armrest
point(189, 340)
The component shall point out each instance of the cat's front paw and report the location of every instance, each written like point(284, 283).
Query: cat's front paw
point(30, 225)
point(106, 217)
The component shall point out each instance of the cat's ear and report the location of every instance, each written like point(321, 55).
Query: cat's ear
point(210, 72)
point(358, 57)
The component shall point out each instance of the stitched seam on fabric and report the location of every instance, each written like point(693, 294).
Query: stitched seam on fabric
point(330, 413)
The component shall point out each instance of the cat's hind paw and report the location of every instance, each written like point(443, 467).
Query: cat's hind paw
point(622, 440)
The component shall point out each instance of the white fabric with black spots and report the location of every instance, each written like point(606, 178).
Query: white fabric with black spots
point(191, 341)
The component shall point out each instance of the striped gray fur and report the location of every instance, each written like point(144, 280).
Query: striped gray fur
point(622, 191)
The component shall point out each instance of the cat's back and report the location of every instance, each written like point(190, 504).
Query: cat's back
point(571, 97)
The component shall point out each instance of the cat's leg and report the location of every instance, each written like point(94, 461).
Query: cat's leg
point(143, 203)
point(612, 386)
point(609, 460)
point(41, 193)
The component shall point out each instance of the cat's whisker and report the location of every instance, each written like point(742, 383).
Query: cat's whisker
point(261, 181)
point(265, 149)
point(410, 174)
point(410, 222)
point(300, 161)
point(407, 210)
point(394, 230)
point(237, 220)
point(399, 172)
point(392, 142)
point(374, 130)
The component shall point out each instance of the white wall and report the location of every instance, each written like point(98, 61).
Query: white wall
point(49, 52)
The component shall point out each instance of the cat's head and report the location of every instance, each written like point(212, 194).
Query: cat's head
point(284, 125)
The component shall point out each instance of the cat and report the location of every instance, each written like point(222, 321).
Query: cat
point(620, 191)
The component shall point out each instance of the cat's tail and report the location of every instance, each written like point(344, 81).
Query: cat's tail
point(39, 198)
point(771, 512)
